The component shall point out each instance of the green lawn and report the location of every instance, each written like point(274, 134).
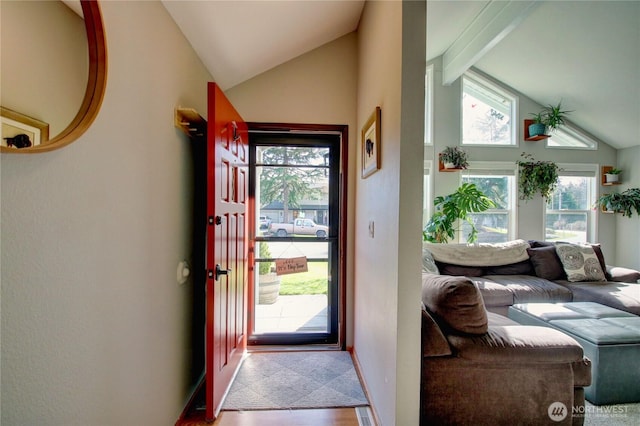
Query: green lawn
point(313, 281)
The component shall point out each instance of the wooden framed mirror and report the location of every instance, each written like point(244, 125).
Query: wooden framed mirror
point(93, 95)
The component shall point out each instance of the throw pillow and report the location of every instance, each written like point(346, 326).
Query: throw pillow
point(455, 303)
point(467, 271)
point(580, 262)
point(546, 263)
point(428, 264)
point(519, 268)
point(598, 251)
point(538, 243)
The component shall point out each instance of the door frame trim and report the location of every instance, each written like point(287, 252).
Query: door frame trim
point(343, 131)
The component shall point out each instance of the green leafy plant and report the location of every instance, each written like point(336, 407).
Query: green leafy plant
point(453, 207)
point(551, 116)
point(624, 202)
point(555, 116)
point(455, 156)
point(538, 117)
point(265, 267)
point(536, 176)
point(614, 171)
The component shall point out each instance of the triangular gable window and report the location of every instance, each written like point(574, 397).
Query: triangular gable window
point(488, 113)
point(569, 137)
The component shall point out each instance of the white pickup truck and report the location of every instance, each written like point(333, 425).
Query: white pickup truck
point(299, 227)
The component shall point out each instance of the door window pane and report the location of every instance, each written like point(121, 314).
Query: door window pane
point(292, 183)
point(295, 187)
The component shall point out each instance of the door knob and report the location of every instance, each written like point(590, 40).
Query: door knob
point(220, 271)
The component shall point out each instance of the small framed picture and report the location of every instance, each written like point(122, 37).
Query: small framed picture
point(371, 144)
point(21, 131)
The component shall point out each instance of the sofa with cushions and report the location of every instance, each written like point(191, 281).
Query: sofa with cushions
point(534, 271)
point(482, 368)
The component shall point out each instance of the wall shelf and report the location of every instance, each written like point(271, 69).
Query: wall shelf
point(528, 138)
point(604, 210)
point(189, 121)
point(442, 168)
point(604, 171)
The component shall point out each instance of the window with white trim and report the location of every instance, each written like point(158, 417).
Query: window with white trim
point(428, 106)
point(497, 180)
point(568, 213)
point(489, 113)
point(570, 137)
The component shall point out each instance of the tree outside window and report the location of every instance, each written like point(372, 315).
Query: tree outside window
point(291, 175)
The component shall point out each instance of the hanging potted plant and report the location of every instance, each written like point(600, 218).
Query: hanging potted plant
point(549, 119)
point(536, 176)
point(454, 158)
point(453, 207)
point(624, 202)
point(268, 280)
point(613, 175)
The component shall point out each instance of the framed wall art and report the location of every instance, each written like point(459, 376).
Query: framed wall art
point(371, 143)
point(21, 131)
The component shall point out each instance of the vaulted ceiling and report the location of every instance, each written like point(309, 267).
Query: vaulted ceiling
point(237, 40)
point(584, 53)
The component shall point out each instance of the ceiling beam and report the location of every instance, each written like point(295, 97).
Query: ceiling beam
point(493, 23)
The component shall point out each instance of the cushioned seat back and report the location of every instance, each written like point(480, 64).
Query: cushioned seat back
point(455, 303)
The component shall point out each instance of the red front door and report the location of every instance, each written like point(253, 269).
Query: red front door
point(227, 246)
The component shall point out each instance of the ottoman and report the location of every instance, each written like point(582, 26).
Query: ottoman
point(609, 337)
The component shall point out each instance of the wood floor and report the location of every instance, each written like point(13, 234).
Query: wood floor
point(315, 417)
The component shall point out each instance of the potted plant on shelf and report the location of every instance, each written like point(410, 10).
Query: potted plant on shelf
point(624, 202)
point(454, 158)
point(612, 176)
point(538, 127)
point(536, 176)
point(550, 118)
point(268, 280)
point(453, 207)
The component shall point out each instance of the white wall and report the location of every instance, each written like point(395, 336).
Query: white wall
point(409, 354)
point(387, 323)
point(318, 87)
point(94, 325)
point(530, 225)
point(628, 228)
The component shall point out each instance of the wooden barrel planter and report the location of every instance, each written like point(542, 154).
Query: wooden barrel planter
point(268, 288)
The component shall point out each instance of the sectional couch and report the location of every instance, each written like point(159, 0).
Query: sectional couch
point(479, 366)
point(534, 271)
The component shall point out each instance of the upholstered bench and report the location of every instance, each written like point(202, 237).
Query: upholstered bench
point(610, 339)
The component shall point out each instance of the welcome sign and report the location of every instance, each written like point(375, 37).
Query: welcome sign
point(292, 265)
